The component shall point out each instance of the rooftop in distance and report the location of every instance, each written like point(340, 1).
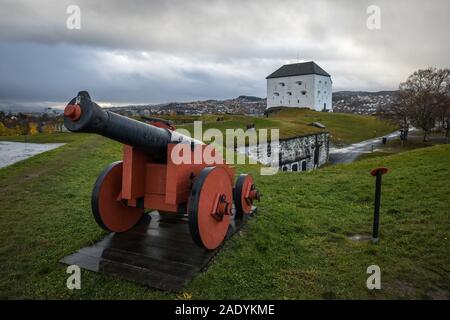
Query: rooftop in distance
point(297, 69)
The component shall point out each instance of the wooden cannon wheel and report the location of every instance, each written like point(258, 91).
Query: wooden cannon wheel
point(209, 207)
point(244, 195)
point(110, 212)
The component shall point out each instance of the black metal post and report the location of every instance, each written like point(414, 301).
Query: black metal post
point(376, 213)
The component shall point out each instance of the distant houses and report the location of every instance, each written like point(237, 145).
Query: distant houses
point(300, 85)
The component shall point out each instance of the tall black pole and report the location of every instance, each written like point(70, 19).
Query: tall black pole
point(376, 213)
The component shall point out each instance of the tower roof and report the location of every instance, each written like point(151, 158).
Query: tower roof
point(297, 69)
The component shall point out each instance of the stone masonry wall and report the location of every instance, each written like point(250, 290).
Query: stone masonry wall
point(297, 154)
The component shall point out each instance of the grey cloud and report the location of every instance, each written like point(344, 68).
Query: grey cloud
point(57, 72)
point(153, 51)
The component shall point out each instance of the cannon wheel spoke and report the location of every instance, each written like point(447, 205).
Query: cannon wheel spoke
point(109, 212)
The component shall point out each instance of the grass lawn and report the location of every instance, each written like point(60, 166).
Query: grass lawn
point(297, 247)
point(345, 128)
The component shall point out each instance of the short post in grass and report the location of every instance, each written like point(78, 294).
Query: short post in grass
point(377, 173)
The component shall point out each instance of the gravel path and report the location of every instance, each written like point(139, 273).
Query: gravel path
point(350, 153)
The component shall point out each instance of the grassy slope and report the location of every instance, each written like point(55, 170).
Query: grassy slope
point(296, 247)
point(344, 128)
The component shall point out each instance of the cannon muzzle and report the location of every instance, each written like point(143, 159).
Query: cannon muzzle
point(84, 115)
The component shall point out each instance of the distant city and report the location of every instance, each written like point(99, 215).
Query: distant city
point(359, 102)
point(241, 105)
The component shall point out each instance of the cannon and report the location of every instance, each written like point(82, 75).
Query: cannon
point(148, 177)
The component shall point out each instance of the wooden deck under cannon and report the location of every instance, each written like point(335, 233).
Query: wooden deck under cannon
point(158, 252)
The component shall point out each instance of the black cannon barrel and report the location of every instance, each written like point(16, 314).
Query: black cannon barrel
point(84, 115)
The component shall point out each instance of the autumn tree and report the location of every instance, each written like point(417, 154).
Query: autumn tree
point(5, 131)
point(422, 100)
point(444, 108)
point(399, 112)
point(32, 128)
point(23, 127)
point(444, 115)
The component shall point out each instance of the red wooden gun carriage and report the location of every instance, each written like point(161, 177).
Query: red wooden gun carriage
point(149, 178)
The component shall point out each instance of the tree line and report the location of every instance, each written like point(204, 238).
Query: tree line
point(24, 124)
point(422, 101)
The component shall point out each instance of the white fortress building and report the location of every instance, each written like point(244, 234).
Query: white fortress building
point(300, 85)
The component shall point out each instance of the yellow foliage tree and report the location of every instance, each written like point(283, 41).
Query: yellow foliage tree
point(33, 128)
point(49, 128)
point(4, 131)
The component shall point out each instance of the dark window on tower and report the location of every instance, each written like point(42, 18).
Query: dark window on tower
point(303, 92)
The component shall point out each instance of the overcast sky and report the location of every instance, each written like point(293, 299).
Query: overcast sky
point(161, 51)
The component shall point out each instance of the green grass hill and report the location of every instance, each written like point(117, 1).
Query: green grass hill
point(297, 246)
point(344, 128)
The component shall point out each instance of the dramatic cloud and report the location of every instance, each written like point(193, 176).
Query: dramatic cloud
point(154, 51)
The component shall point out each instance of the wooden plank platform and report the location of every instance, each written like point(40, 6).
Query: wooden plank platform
point(157, 253)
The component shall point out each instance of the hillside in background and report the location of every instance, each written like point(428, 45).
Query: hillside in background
point(361, 102)
point(240, 105)
point(344, 128)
